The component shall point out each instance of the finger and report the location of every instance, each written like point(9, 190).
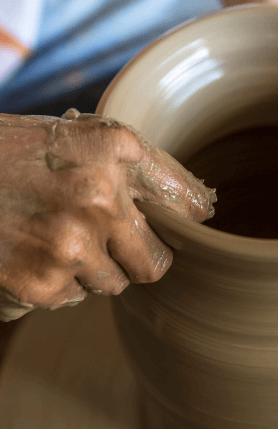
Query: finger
point(101, 275)
point(138, 250)
point(11, 308)
point(78, 251)
point(37, 281)
point(162, 179)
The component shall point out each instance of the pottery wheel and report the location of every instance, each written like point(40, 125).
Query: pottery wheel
point(66, 369)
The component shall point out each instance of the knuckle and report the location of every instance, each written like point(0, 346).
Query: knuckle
point(61, 237)
point(68, 247)
point(127, 147)
point(98, 189)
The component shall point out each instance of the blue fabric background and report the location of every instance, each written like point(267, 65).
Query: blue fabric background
point(82, 42)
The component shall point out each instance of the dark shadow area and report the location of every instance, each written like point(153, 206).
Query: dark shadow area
point(85, 100)
point(6, 334)
point(243, 168)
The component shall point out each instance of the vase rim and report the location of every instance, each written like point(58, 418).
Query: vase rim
point(218, 242)
point(209, 16)
point(179, 233)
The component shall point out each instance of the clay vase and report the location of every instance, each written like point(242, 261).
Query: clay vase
point(203, 340)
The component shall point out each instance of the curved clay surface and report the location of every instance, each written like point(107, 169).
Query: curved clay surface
point(203, 339)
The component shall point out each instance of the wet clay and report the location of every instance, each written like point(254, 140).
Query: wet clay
point(67, 192)
point(243, 167)
point(203, 339)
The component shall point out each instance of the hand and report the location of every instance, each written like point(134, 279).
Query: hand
point(68, 223)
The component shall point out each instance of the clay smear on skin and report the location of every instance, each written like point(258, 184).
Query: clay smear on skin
point(54, 162)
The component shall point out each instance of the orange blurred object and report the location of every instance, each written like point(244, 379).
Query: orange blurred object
point(8, 40)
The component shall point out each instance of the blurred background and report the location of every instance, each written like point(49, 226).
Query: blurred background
point(56, 54)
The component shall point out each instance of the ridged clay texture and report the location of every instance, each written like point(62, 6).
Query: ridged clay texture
point(203, 339)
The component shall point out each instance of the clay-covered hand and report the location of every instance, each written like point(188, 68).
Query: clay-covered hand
point(68, 222)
